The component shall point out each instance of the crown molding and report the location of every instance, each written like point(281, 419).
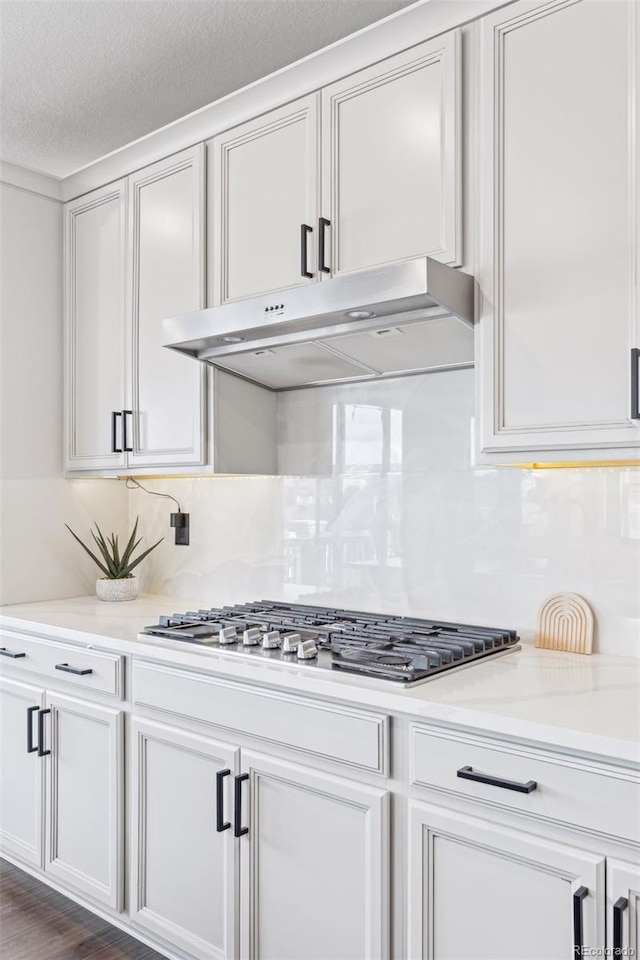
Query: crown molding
point(30, 180)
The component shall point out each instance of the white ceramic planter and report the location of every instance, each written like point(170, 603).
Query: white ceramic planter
point(125, 589)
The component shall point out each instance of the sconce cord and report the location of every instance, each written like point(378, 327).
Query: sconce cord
point(132, 484)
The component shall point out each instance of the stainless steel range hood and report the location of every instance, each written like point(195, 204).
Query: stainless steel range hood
point(388, 321)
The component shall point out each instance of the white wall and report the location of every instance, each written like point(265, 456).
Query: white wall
point(424, 535)
point(38, 559)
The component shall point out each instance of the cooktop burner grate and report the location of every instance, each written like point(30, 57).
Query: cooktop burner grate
point(405, 649)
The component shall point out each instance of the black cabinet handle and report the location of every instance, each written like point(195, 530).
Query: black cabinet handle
point(125, 445)
point(238, 830)
point(41, 716)
point(9, 653)
point(114, 429)
point(635, 384)
point(221, 824)
point(76, 671)
point(619, 908)
point(468, 773)
point(30, 713)
point(305, 230)
point(323, 223)
point(578, 897)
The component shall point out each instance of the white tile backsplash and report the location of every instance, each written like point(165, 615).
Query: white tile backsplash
point(385, 513)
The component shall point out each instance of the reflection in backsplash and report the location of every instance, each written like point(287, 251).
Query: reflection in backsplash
point(381, 511)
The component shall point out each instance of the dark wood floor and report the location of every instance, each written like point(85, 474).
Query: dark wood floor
point(37, 923)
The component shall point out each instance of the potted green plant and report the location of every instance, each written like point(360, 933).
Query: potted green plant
point(118, 582)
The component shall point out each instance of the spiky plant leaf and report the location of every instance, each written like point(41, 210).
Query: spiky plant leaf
point(115, 567)
point(132, 544)
point(141, 557)
point(104, 550)
point(114, 547)
point(91, 554)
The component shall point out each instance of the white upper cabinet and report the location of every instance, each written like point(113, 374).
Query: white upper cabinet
point(263, 203)
point(559, 217)
point(165, 390)
point(95, 238)
point(391, 159)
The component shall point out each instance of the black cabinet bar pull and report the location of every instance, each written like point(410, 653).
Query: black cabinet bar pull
point(305, 230)
point(125, 444)
point(9, 653)
point(30, 713)
point(619, 908)
point(468, 773)
point(238, 830)
point(635, 384)
point(323, 223)
point(114, 429)
point(76, 671)
point(221, 824)
point(41, 751)
point(578, 897)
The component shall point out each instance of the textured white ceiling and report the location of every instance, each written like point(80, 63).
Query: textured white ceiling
point(80, 78)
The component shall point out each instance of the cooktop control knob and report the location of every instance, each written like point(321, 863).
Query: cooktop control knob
point(228, 635)
point(291, 642)
point(271, 640)
point(307, 650)
point(251, 637)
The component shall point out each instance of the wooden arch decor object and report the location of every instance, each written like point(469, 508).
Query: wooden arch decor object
point(565, 622)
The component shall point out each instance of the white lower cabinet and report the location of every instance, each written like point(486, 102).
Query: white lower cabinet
point(237, 854)
point(482, 891)
point(76, 748)
point(315, 865)
point(623, 908)
point(84, 807)
point(183, 869)
point(21, 783)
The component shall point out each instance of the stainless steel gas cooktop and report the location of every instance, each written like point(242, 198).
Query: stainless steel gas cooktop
point(403, 649)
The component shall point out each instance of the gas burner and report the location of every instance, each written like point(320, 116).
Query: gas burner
point(405, 649)
point(376, 656)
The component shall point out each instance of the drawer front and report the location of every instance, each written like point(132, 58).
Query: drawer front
point(89, 670)
point(356, 738)
point(603, 801)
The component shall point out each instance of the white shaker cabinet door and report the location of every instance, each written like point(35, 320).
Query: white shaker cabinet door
point(85, 787)
point(391, 159)
point(478, 891)
point(95, 260)
point(166, 391)
point(623, 908)
point(559, 211)
point(183, 869)
point(21, 779)
point(263, 190)
point(314, 865)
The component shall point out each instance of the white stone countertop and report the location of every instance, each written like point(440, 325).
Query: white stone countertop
point(580, 705)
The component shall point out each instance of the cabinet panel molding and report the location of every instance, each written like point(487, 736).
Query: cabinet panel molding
point(22, 782)
point(559, 226)
point(321, 842)
point(263, 185)
point(357, 738)
point(391, 159)
point(94, 302)
point(183, 873)
point(85, 817)
point(500, 881)
point(166, 233)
